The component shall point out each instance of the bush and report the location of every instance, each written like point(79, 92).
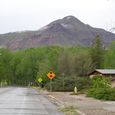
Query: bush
point(100, 82)
point(68, 83)
point(83, 83)
point(101, 89)
point(102, 93)
point(68, 110)
point(57, 85)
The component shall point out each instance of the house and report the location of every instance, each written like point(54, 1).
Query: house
point(109, 73)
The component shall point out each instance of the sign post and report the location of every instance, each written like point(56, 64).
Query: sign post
point(50, 85)
point(51, 75)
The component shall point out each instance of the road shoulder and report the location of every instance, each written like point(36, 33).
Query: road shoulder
point(85, 105)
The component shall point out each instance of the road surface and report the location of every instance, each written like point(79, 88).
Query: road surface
point(25, 101)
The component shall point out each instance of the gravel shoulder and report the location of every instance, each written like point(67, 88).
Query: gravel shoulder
point(88, 106)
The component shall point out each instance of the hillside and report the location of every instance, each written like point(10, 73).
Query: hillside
point(68, 31)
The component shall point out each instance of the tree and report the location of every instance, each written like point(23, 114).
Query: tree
point(97, 53)
point(82, 64)
point(5, 66)
point(64, 61)
point(109, 61)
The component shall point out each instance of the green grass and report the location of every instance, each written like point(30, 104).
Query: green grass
point(68, 110)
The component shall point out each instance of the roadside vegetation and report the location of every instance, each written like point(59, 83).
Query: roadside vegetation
point(101, 89)
point(68, 110)
point(70, 64)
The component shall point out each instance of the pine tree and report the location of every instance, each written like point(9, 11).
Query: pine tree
point(97, 53)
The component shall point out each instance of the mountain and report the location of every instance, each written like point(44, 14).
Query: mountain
point(68, 31)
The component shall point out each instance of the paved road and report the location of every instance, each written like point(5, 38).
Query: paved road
point(25, 101)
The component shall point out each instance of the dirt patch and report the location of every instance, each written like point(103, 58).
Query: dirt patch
point(89, 106)
point(96, 112)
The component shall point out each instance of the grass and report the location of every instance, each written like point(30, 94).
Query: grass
point(68, 110)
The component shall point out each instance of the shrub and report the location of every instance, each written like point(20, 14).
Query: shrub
point(101, 89)
point(68, 110)
point(102, 93)
point(57, 85)
point(68, 83)
point(100, 82)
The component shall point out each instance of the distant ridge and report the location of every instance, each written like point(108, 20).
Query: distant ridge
point(68, 31)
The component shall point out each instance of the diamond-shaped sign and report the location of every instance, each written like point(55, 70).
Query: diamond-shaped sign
point(51, 75)
point(40, 80)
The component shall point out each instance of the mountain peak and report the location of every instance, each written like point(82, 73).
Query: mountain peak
point(69, 17)
point(68, 31)
point(67, 20)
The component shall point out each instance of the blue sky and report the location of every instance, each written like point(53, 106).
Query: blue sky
point(20, 15)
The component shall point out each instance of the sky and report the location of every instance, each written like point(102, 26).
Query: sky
point(22, 15)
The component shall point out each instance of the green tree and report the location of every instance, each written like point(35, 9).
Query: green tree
point(97, 53)
point(82, 64)
point(5, 59)
point(64, 62)
point(109, 61)
point(27, 69)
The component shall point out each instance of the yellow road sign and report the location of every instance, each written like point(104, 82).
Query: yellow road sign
point(51, 75)
point(40, 80)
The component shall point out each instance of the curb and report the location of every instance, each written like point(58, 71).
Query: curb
point(62, 103)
